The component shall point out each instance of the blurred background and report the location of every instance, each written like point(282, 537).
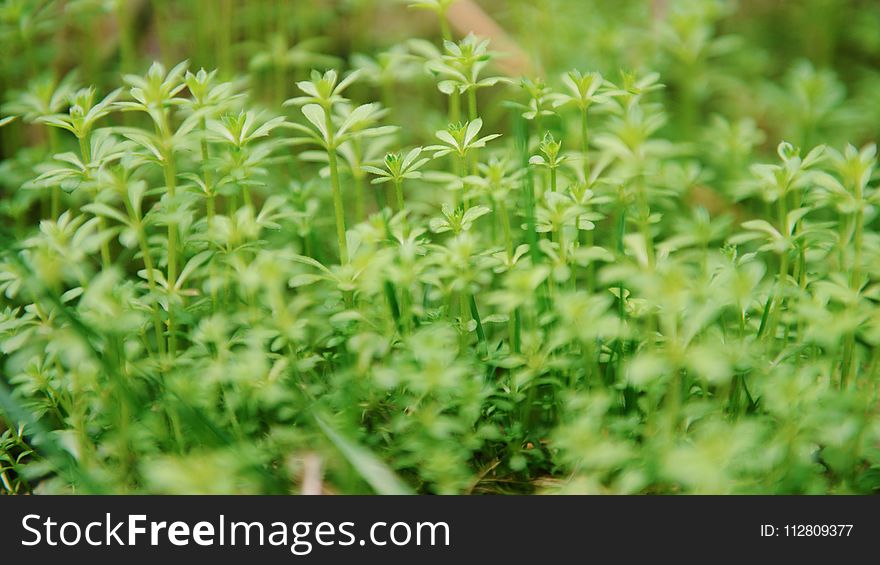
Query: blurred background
point(788, 63)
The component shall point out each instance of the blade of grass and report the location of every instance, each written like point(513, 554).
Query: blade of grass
point(376, 473)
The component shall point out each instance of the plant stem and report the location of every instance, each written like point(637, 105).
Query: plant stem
point(521, 130)
point(472, 103)
point(517, 331)
point(481, 334)
point(782, 281)
point(398, 191)
point(207, 177)
point(56, 190)
point(848, 365)
point(645, 221)
point(170, 174)
point(338, 207)
point(560, 237)
point(148, 266)
point(857, 238)
point(461, 170)
point(585, 144)
point(454, 107)
point(621, 303)
point(405, 309)
point(85, 151)
point(172, 254)
point(464, 318)
point(505, 227)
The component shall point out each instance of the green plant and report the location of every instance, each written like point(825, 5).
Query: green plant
point(620, 289)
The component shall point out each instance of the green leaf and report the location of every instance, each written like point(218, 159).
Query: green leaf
point(191, 265)
point(473, 129)
point(359, 114)
point(376, 473)
point(305, 279)
point(101, 209)
point(315, 114)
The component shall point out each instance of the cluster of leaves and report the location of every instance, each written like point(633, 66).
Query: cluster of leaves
point(538, 309)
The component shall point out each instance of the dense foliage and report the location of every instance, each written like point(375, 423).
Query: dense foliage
point(411, 270)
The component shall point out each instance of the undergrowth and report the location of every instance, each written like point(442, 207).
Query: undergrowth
point(496, 285)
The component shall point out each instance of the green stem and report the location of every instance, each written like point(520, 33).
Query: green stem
point(511, 332)
point(338, 206)
point(55, 208)
point(472, 103)
point(585, 144)
point(461, 170)
point(560, 236)
point(84, 150)
point(842, 238)
point(621, 304)
point(783, 273)
point(856, 279)
point(206, 176)
point(86, 153)
point(454, 107)
point(464, 315)
point(398, 191)
point(517, 331)
point(481, 334)
point(170, 173)
point(645, 221)
point(210, 211)
point(781, 283)
point(148, 266)
point(848, 365)
point(172, 256)
point(406, 309)
point(505, 227)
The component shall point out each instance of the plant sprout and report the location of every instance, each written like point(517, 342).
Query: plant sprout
point(398, 168)
point(322, 93)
